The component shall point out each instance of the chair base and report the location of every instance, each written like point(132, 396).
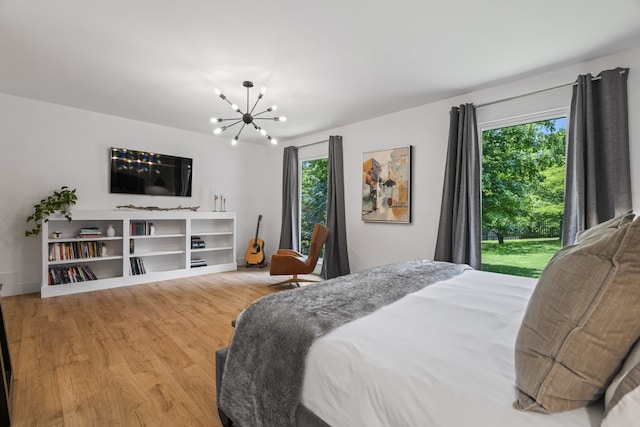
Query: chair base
point(294, 281)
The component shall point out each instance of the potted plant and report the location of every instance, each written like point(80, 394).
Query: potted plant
point(60, 201)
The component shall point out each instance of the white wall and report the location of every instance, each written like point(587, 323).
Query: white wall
point(45, 146)
point(426, 128)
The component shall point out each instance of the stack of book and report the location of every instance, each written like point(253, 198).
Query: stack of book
point(70, 274)
point(72, 250)
point(141, 228)
point(196, 262)
point(89, 232)
point(137, 266)
point(197, 242)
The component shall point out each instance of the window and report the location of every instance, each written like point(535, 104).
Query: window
point(313, 198)
point(523, 169)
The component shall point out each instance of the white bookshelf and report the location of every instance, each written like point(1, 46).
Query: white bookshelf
point(165, 254)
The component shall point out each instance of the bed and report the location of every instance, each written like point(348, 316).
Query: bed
point(421, 343)
point(382, 370)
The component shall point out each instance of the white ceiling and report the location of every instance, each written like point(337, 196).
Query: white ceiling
point(325, 63)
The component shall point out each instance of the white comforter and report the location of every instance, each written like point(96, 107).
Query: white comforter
point(439, 357)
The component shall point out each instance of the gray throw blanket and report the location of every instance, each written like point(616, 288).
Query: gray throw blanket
point(262, 380)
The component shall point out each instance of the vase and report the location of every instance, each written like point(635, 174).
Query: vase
point(111, 231)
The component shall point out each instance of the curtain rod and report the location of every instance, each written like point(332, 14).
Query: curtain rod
point(312, 143)
point(537, 91)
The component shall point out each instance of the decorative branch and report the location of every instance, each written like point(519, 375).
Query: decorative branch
point(156, 208)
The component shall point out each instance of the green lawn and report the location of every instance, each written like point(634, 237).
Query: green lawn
point(518, 257)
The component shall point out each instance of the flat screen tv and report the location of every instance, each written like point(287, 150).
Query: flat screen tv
point(139, 172)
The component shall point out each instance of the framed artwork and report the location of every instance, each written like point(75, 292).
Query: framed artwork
point(386, 185)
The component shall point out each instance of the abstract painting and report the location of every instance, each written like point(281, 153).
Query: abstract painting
point(386, 185)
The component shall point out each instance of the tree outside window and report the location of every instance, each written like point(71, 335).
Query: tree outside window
point(523, 170)
point(313, 199)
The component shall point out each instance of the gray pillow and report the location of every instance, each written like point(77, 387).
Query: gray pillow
point(580, 322)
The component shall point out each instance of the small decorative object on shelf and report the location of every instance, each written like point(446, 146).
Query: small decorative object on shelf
point(152, 229)
point(103, 250)
point(56, 234)
point(111, 231)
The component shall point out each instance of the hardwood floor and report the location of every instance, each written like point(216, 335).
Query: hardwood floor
point(134, 356)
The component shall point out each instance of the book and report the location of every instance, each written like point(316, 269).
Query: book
point(197, 262)
point(137, 266)
point(88, 232)
point(70, 274)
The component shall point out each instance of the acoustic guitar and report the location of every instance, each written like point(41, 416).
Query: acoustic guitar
point(255, 252)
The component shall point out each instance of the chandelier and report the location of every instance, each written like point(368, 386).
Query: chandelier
point(247, 117)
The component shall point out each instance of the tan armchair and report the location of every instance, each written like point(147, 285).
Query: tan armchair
point(290, 262)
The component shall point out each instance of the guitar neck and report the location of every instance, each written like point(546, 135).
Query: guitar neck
point(257, 229)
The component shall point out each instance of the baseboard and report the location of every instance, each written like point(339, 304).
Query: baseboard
point(11, 287)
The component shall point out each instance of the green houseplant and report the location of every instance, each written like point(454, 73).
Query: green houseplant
point(60, 201)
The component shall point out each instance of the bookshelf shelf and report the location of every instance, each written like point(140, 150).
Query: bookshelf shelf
point(83, 260)
point(157, 236)
point(147, 246)
point(222, 248)
point(156, 253)
point(83, 239)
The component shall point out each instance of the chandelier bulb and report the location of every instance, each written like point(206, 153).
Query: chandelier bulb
point(280, 119)
point(263, 90)
point(263, 132)
point(215, 120)
point(234, 141)
point(217, 91)
point(217, 131)
point(235, 107)
point(272, 140)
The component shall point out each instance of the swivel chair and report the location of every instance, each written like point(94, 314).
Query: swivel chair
point(290, 262)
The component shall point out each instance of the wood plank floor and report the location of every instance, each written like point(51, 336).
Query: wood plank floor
point(134, 356)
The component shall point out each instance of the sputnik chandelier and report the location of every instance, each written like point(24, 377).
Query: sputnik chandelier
point(247, 117)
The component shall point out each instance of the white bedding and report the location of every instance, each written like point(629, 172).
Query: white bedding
point(442, 356)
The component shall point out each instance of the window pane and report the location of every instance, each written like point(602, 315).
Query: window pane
point(313, 199)
point(522, 196)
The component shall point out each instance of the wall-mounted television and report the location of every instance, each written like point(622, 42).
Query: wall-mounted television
point(139, 172)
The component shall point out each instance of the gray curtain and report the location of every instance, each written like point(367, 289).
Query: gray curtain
point(459, 230)
point(289, 231)
point(336, 258)
point(598, 177)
